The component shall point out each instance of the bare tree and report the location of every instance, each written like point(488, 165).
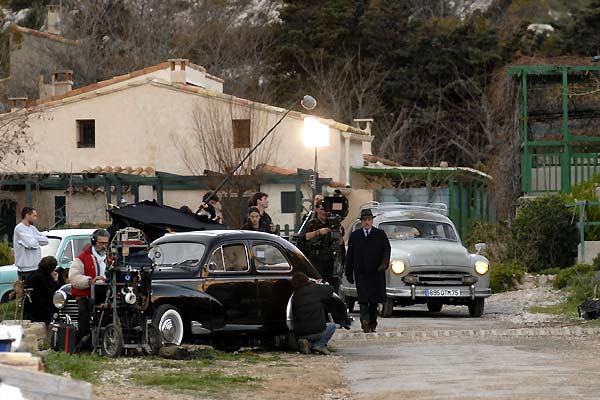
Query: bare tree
point(211, 149)
point(347, 88)
point(119, 36)
point(14, 138)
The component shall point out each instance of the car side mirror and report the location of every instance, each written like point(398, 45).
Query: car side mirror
point(205, 269)
point(480, 247)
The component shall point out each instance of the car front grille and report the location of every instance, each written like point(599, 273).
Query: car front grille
point(71, 310)
point(441, 278)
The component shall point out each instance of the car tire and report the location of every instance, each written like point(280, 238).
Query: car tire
point(167, 319)
point(228, 343)
point(388, 308)
point(434, 307)
point(476, 308)
point(5, 298)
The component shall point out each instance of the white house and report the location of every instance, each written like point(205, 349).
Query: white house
point(153, 122)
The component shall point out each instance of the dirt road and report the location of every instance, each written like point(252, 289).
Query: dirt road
point(507, 354)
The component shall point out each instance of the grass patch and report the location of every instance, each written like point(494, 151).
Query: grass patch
point(190, 379)
point(8, 310)
point(83, 367)
point(566, 308)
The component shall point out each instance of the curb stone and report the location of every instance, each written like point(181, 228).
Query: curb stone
point(513, 332)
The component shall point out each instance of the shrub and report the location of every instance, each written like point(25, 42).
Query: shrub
point(566, 276)
point(586, 191)
point(505, 276)
point(583, 287)
point(497, 237)
point(544, 235)
point(6, 254)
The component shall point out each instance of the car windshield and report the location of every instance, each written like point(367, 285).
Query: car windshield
point(52, 247)
point(183, 253)
point(418, 229)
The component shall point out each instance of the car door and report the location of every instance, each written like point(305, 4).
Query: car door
point(71, 247)
point(231, 281)
point(273, 273)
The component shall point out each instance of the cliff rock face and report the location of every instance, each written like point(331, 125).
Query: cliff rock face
point(466, 7)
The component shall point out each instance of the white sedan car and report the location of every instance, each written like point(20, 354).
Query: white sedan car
point(428, 263)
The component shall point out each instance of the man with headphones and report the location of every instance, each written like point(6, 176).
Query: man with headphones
point(88, 268)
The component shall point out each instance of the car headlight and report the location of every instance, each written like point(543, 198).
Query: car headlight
point(481, 267)
point(398, 266)
point(59, 299)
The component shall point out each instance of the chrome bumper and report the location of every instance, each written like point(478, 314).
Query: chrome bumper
point(414, 292)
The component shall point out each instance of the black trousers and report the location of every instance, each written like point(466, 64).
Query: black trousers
point(85, 308)
point(368, 312)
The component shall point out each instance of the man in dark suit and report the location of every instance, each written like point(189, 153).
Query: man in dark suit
point(367, 259)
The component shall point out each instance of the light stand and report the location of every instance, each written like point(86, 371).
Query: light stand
point(307, 102)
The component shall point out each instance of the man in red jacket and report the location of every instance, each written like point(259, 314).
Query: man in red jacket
point(88, 268)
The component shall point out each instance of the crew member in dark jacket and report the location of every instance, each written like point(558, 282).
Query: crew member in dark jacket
point(311, 325)
point(42, 283)
point(367, 259)
point(253, 221)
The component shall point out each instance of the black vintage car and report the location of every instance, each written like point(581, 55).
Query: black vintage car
point(228, 286)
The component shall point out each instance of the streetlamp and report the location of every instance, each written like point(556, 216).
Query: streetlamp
point(307, 102)
point(316, 134)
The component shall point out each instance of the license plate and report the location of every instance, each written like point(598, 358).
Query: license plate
point(442, 292)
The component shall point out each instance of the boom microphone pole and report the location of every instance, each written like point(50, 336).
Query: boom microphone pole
point(307, 102)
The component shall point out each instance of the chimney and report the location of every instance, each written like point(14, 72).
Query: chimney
point(178, 73)
point(358, 123)
point(53, 20)
point(17, 103)
point(60, 83)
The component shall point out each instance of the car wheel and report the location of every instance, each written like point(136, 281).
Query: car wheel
point(112, 341)
point(167, 319)
point(434, 307)
point(388, 308)
point(5, 297)
point(476, 308)
point(152, 348)
point(228, 343)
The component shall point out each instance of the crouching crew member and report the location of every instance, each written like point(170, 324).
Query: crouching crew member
point(88, 268)
point(310, 322)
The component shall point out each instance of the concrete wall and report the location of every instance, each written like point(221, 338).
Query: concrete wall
point(592, 249)
point(151, 125)
point(31, 56)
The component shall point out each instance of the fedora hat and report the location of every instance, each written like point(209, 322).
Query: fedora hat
point(366, 213)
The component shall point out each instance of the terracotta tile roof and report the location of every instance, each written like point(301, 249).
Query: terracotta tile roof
point(44, 35)
point(142, 171)
point(101, 84)
point(336, 184)
point(272, 169)
point(375, 159)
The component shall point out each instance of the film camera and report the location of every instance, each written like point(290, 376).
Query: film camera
point(327, 248)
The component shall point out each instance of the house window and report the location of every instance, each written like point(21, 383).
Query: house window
point(60, 210)
point(241, 133)
point(86, 133)
point(288, 202)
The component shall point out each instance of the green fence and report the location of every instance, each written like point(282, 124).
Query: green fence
point(559, 115)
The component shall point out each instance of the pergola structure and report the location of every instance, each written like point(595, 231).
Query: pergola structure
point(160, 182)
point(464, 190)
